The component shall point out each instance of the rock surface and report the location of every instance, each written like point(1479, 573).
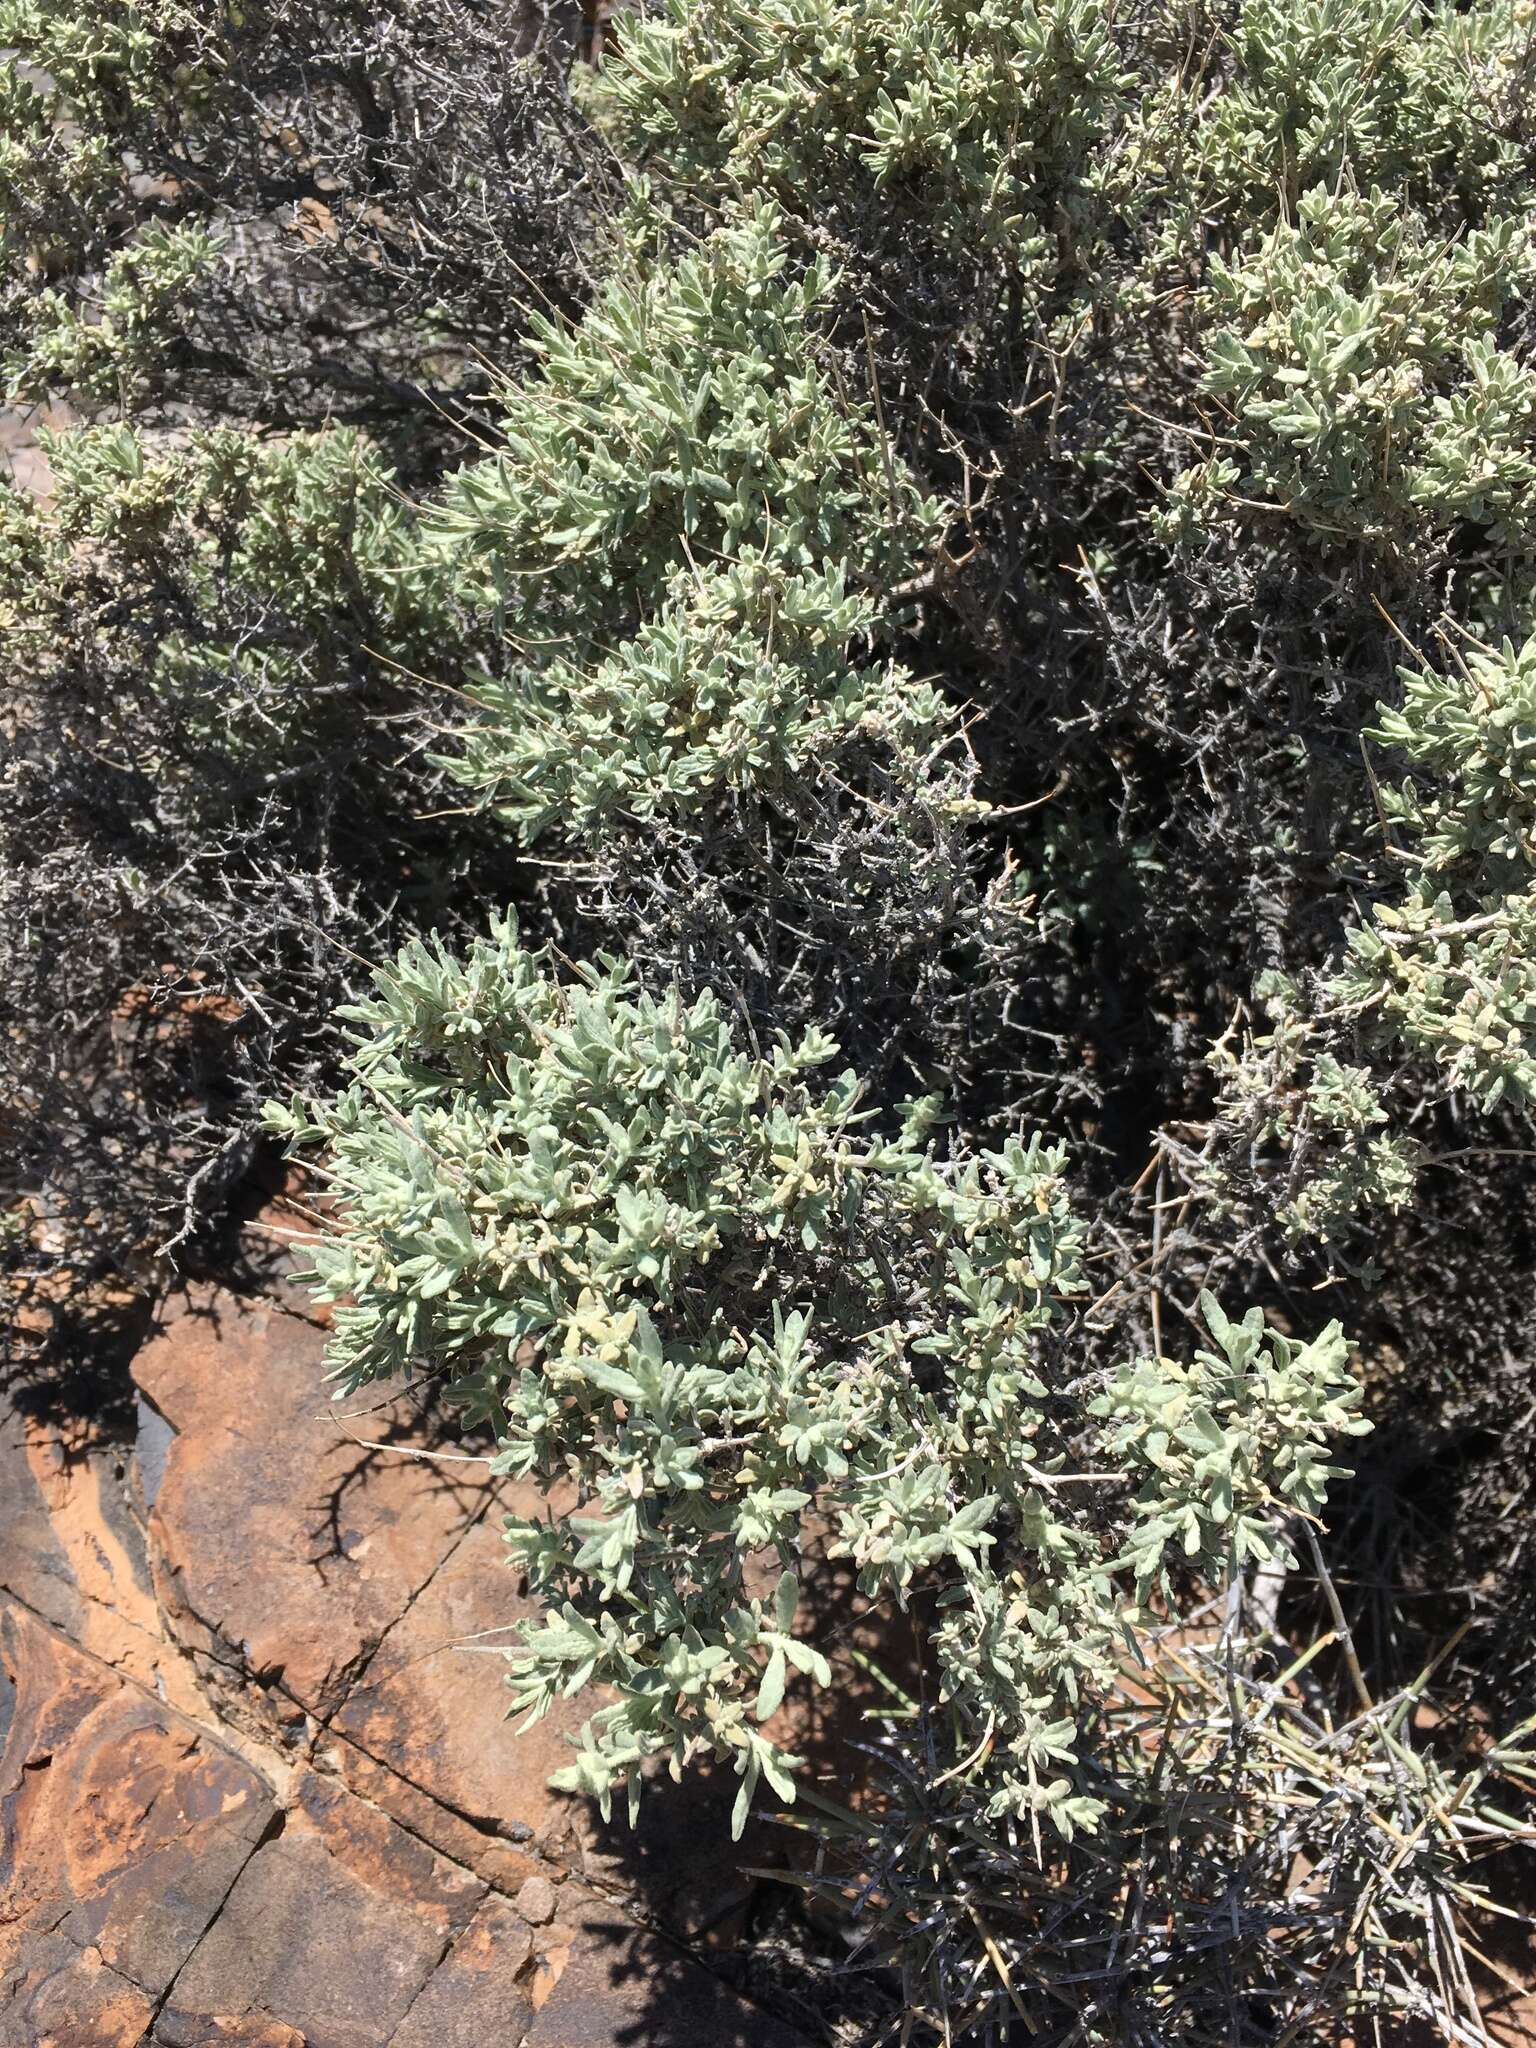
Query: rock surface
point(72, 1551)
point(123, 1825)
point(432, 1701)
point(480, 1994)
point(256, 1787)
point(334, 1926)
point(284, 1544)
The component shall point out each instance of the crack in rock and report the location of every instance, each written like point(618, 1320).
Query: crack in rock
point(270, 1833)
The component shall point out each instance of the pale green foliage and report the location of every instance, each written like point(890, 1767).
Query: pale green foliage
point(1461, 991)
point(142, 294)
point(80, 67)
point(1469, 730)
point(1438, 971)
point(226, 534)
point(836, 498)
point(287, 511)
point(741, 680)
point(686, 419)
point(973, 123)
point(89, 57)
point(687, 471)
point(1308, 1129)
point(1369, 93)
point(1224, 1438)
point(83, 71)
point(1360, 386)
point(713, 1296)
point(1448, 969)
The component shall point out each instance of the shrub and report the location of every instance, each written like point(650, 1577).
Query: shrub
point(697, 541)
point(1431, 985)
point(1429, 103)
point(289, 211)
point(994, 536)
point(947, 157)
point(1355, 360)
point(254, 250)
point(1446, 968)
point(859, 684)
point(685, 416)
point(741, 681)
point(724, 1305)
point(718, 1299)
point(204, 725)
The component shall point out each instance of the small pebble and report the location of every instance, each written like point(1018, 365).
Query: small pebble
point(536, 1901)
